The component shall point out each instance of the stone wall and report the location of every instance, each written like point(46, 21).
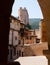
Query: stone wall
point(44, 30)
point(45, 7)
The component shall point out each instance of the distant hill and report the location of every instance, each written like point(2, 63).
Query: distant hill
point(34, 23)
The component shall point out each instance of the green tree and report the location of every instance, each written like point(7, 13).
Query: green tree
point(28, 26)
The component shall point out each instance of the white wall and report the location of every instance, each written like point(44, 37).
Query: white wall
point(15, 38)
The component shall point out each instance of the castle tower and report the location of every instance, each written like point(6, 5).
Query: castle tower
point(23, 15)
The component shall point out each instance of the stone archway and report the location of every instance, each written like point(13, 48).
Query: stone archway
point(45, 7)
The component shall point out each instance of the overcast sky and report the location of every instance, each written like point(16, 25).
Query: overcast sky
point(32, 7)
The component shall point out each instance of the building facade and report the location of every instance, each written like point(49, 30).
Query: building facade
point(13, 38)
point(16, 38)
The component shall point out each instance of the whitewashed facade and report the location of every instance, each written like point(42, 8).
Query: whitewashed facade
point(10, 37)
point(13, 38)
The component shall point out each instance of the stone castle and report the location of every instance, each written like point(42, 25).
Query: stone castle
point(23, 15)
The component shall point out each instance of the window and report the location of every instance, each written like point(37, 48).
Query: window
point(14, 51)
point(8, 51)
point(15, 38)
